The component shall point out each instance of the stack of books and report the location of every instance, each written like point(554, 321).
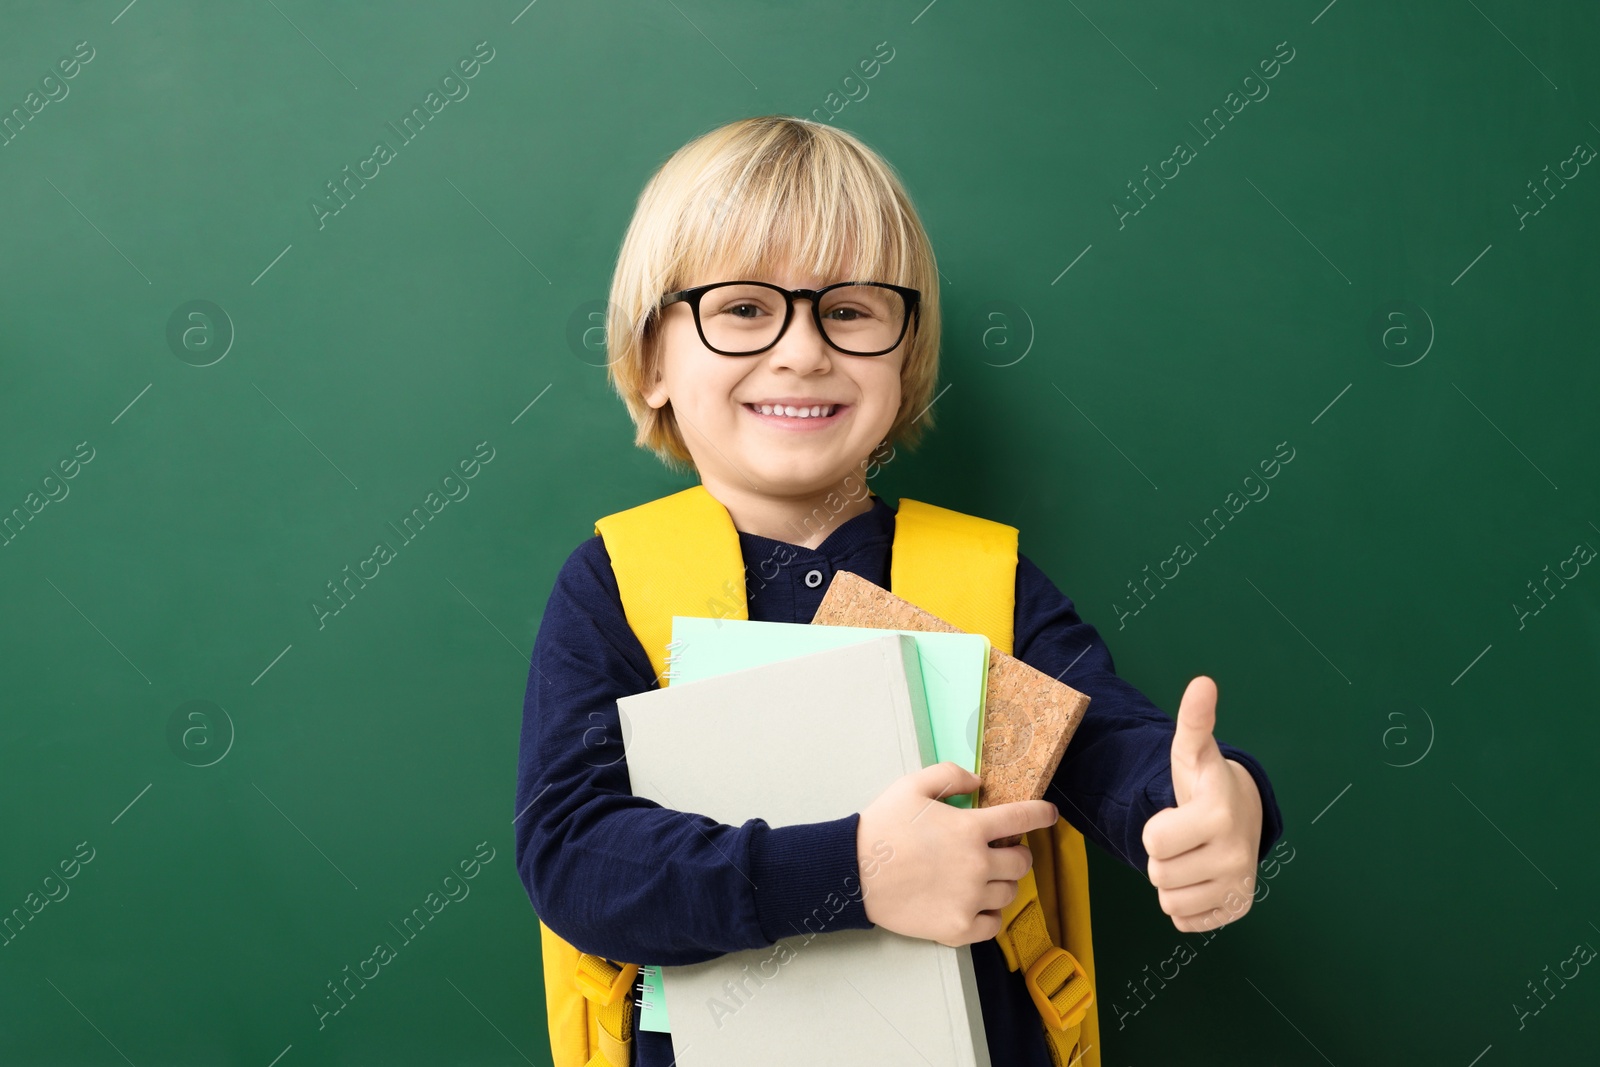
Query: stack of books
point(795, 723)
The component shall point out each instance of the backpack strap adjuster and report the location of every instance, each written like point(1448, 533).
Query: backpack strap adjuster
point(1060, 988)
point(1057, 982)
point(603, 981)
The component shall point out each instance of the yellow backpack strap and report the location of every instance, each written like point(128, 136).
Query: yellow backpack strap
point(960, 567)
point(963, 569)
point(589, 1013)
point(678, 555)
point(608, 986)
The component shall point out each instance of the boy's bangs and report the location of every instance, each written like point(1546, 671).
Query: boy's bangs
point(826, 224)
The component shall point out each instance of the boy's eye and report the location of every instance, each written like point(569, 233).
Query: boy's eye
point(743, 306)
point(859, 304)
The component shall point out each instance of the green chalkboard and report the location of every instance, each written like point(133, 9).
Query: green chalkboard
point(1372, 269)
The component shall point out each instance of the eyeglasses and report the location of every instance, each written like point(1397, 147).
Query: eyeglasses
point(745, 318)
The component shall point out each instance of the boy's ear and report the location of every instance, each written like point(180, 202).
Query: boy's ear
point(656, 395)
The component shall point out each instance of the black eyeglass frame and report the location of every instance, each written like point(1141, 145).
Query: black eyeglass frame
point(912, 297)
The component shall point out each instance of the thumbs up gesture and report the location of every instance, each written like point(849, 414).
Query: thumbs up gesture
point(1203, 852)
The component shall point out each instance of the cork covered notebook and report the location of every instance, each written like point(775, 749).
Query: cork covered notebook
point(1029, 718)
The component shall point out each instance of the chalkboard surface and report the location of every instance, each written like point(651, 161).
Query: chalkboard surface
point(1352, 243)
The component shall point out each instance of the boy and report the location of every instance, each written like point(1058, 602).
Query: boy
point(778, 390)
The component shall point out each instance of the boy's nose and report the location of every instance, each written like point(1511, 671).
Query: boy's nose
point(802, 347)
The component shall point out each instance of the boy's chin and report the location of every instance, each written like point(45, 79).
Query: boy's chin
point(790, 486)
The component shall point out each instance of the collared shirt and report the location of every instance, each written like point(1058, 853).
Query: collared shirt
point(632, 881)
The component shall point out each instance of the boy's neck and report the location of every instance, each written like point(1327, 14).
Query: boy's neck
point(805, 520)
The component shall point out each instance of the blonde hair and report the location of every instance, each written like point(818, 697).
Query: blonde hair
point(752, 197)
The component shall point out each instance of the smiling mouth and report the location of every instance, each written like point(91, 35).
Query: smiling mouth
point(814, 412)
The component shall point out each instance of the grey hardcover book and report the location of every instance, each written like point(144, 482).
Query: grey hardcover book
point(803, 740)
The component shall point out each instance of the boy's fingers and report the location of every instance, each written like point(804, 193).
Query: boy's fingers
point(997, 895)
point(1173, 831)
point(1017, 817)
point(1193, 867)
point(1193, 745)
point(1010, 863)
point(1192, 899)
point(1211, 920)
point(947, 779)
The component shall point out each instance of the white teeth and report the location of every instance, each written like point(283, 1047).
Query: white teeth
point(813, 412)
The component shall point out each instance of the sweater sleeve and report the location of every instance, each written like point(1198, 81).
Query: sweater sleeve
point(1117, 771)
point(622, 876)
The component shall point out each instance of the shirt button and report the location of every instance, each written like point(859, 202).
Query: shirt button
point(813, 579)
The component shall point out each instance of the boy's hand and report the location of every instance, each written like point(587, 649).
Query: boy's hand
point(1203, 852)
point(927, 869)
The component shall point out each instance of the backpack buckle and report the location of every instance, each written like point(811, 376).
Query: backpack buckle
point(1060, 988)
point(603, 981)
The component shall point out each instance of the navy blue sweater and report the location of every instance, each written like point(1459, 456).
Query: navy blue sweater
point(630, 880)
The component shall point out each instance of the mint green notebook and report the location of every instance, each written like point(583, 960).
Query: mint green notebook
point(652, 1000)
point(954, 675)
point(955, 669)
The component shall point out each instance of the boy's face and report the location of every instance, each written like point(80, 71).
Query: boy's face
point(715, 399)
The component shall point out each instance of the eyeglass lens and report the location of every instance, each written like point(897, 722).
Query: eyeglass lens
point(857, 318)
